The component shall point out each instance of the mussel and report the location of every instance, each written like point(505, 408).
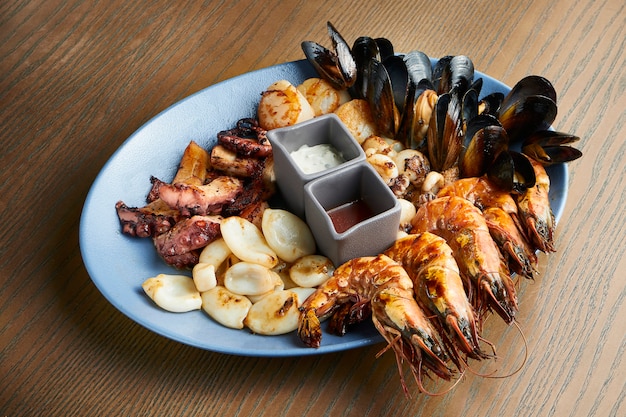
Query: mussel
point(336, 66)
point(445, 133)
point(457, 72)
point(419, 101)
point(549, 147)
point(438, 109)
point(364, 51)
point(530, 106)
point(380, 97)
point(512, 171)
point(484, 140)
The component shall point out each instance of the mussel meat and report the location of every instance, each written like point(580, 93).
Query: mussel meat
point(548, 147)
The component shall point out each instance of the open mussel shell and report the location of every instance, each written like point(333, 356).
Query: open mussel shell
point(364, 50)
point(347, 66)
point(549, 155)
point(484, 140)
point(338, 66)
point(445, 132)
point(380, 97)
point(399, 79)
point(549, 147)
point(438, 70)
point(530, 106)
point(531, 85)
point(550, 138)
point(490, 104)
point(477, 123)
point(385, 48)
point(512, 171)
point(457, 73)
point(470, 105)
point(413, 122)
point(527, 116)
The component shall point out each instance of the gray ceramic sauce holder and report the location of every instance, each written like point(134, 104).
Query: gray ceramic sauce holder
point(369, 237)
point(326, 129)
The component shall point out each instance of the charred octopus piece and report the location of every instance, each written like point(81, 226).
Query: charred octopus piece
point(203, 199)
point(246, 139)
point(150, 220)
point(180, 245)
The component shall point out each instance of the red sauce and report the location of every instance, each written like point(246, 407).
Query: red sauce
point(347, 215)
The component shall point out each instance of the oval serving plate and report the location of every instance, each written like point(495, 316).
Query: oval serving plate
point(118, 264)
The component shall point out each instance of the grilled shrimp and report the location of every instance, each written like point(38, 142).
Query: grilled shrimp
point(394, 311)
point(438, 287)
point(536, 213)
point(501, 212)
point(462, 225)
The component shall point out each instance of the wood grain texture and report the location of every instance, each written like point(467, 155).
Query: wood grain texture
point(78, 77)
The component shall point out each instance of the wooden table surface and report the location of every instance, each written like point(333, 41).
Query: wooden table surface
point(79, 77)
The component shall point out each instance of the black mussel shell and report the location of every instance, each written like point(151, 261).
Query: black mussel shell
point(548, 147)
point(385, 48)
point(381, 99)
point(549, 155)
point(445, 131)
point(477, 85)
point(458, 73)
point(550, 138)
point(490, 104)
point(419, 68)
point(419, 78)
point(399, 78)
point(364, 50)
point(529, 106)
point(438, 70)
point(324, 61)
point(513, 172)
point(337, 67)
point(435, 132)
point(479, 122)
point(528, 116)
point(470, 105)
point(346, 63)
point(413, 128)
point(532, 85)
point(404, 133)
point(481, 151)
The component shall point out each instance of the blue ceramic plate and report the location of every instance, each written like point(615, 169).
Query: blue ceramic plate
point(119, 264)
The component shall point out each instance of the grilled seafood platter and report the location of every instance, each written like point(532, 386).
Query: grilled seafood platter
point(468, 168)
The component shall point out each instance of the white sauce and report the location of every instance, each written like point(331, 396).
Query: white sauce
point(312, 159)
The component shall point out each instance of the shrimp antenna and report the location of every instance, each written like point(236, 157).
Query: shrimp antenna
point(519, 368)
point(472, 370)
point(417, 374)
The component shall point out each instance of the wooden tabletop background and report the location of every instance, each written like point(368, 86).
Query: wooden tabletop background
point(79, 77)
